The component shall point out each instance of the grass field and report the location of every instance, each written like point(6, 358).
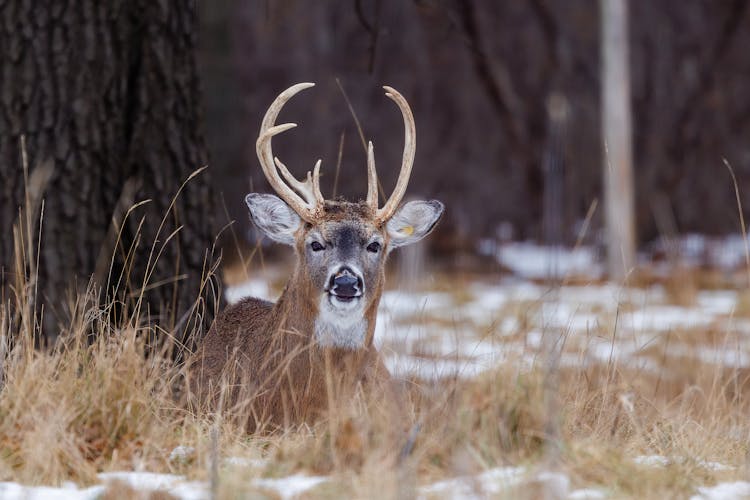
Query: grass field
point(513, 389)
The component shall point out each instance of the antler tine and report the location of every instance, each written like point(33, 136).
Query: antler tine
point(315, 183)
point(302, 188)
point(372, 179)
point(309, 201)
point(410, 132)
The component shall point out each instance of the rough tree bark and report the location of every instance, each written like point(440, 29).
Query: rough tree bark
point(107, 96)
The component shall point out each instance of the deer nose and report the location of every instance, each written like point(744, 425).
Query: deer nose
point(346, 283)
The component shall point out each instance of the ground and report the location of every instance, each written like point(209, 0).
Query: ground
point(520, 386)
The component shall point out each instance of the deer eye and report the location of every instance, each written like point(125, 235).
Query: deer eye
point(316, 246)
point(373, 247)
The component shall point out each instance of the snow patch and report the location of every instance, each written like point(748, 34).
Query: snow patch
point(15, 491)
point(483, 485)
point(587, 494)
point(291, 486)
point(532, 261)
point(723, 491)
point(177, 486)
point(662, 461)
point(252, 288)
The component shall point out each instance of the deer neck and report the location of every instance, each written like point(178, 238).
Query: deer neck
point(310, 314)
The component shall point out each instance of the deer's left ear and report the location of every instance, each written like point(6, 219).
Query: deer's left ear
point(413, 221)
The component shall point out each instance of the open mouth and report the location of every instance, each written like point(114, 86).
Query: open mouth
point(343, 298)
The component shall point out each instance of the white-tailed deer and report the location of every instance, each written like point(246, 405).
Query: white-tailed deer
point(278, 360)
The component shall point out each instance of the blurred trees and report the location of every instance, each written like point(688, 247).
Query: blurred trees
point(106, 95)
point(479, 74)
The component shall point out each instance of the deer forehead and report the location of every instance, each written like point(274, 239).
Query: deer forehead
point(346, 221)
point(344, 233)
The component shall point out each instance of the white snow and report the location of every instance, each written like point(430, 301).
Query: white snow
point(438, 334)
point(494, 482)
point(251, 288)
point(724, 491)
point(652, 460)
point(662, 461)
point(140, 481)
point(177, 486)
point(15, 491)
point(665, 317)
point(291, 486)
point(480, 486)
point(532, 261)
point(587, 494)
point(149, 481)
point(555, 484)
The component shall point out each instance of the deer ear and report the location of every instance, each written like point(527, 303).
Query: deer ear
point(273, 217)
point(413, 221)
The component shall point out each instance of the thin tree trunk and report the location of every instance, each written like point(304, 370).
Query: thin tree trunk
point(616, 124)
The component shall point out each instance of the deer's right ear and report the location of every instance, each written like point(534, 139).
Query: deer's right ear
point(273, 217)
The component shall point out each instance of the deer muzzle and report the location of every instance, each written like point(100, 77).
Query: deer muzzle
point(345, 284)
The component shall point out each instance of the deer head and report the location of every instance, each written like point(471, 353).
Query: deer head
point(341, 246)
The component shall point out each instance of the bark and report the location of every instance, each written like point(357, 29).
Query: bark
point(106, 95)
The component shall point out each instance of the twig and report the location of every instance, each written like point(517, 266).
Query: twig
point(354, 114)
point(742, 219)
point(338, 164)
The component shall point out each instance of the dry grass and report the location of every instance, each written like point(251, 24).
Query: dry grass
point(84, 406)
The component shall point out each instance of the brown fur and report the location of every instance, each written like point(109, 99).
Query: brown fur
point(263, 358)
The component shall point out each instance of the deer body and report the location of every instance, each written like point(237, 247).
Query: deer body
point(280, 363)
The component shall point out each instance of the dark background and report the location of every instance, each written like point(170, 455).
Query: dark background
point(478, 75)
point(120, 103)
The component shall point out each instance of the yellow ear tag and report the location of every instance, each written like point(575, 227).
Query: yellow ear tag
point(407, 230)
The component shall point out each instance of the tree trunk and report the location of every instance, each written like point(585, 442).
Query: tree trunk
point(106, 95)
point(617, 133)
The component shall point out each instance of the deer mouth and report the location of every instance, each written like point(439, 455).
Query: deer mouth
point(338, 297)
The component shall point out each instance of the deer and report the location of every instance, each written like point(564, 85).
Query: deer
point(276, 361)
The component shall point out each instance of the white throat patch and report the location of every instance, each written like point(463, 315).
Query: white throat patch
point(342, 326)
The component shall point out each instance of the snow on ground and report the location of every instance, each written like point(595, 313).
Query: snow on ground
point(724, 252)
point(479, 486)
point(251, 288)
point(15, 491)
point(587, 494)
point(462, 332)
point(490, 483)
point(435, 334)
point(531, 261)
point(291, 486)
point(176, 486)
point(724, 491)
point(662, 461)
point(500, 482)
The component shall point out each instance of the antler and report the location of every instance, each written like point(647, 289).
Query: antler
point(410, 132)
point(309, 202)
